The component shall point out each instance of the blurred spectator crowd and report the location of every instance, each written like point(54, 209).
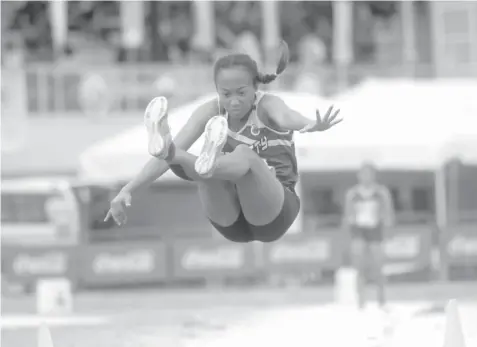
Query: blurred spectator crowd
point(94, 30)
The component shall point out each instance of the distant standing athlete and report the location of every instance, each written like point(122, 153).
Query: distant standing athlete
point(247, 171)
point(369, 212)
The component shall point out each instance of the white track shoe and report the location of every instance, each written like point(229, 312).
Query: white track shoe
point(215, 137)
point(159, 134)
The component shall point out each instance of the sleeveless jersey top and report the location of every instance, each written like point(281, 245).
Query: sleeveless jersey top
point(276, 148)
point(368, 206)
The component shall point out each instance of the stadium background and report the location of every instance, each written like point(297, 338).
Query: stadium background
point(75, 73)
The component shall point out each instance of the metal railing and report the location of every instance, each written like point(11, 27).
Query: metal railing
point(120, 90)
point(56, 91)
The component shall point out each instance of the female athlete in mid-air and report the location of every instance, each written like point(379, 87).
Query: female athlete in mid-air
point(247, 171)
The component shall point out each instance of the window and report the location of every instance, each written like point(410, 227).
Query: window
point(454, 37)
point(324, 203)
point(320, 208)
point(456, 21)
point(422, 200)
point(25, 208)
point(413, 205)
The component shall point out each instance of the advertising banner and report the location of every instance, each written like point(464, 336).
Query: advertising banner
point(304, 252)
point(408, 250)
point(408, 243)
point(462, 245)
point(116, 264)
point(24, 265)
point(212, 258)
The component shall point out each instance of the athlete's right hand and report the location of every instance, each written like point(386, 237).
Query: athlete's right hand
point(118, 206)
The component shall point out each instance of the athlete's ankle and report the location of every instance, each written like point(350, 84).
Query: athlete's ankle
point(171, 153)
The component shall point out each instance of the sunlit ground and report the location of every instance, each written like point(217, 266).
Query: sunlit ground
point(234, 317)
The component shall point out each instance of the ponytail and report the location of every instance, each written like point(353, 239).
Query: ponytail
point(282, 65)
point(266, 78)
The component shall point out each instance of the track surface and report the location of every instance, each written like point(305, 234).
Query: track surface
point(208, 317)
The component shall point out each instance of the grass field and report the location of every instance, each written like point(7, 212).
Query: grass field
point(208, 317)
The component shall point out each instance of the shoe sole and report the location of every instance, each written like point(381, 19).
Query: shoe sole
point(215, 138)
point(155, 119)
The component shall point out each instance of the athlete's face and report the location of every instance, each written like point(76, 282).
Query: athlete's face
point(236, 91)
point(367, 175)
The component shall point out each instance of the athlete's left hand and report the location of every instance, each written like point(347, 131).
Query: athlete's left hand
point(328, 121)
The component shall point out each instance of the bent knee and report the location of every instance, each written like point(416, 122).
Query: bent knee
point(245, 150)
point(250, 156)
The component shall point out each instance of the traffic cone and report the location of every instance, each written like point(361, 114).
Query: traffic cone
point(44, 336)
point(454, 336)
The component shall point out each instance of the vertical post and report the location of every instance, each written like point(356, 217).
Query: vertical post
point(342, 39)
point(132, 30)
point(473, 36)
point(43, 91)
point(409, 54)
point(270, 29)
point(155, 39)
point(204, 21)
point(59, 24)
point(59, 27)
point(132, 24)
point(441, 202)
point(436, 36)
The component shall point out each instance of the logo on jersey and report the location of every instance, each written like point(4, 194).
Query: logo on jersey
point(254, 130)
point(260, 145)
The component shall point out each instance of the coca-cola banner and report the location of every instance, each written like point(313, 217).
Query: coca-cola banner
point(408, 244)
point(212, 258)
point(304, 252)
point(116, 264)
point(26, 264)
point(461, 246)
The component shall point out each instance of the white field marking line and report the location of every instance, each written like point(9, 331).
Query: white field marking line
point(34, 321)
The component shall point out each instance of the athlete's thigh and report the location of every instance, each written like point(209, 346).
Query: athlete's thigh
point(219, 198)
point(260, 193)
point(279, 226)
point(220, 201)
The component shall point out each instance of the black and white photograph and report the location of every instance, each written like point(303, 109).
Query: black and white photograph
point(238, 173)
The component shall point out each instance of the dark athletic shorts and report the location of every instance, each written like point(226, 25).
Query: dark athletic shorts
point(243, 231)
point(368, 234)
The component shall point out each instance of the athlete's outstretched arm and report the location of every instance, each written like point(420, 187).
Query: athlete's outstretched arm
point(186, 137)
point(288, 119)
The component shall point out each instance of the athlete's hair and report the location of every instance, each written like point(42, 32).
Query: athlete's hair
point(248, 63)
